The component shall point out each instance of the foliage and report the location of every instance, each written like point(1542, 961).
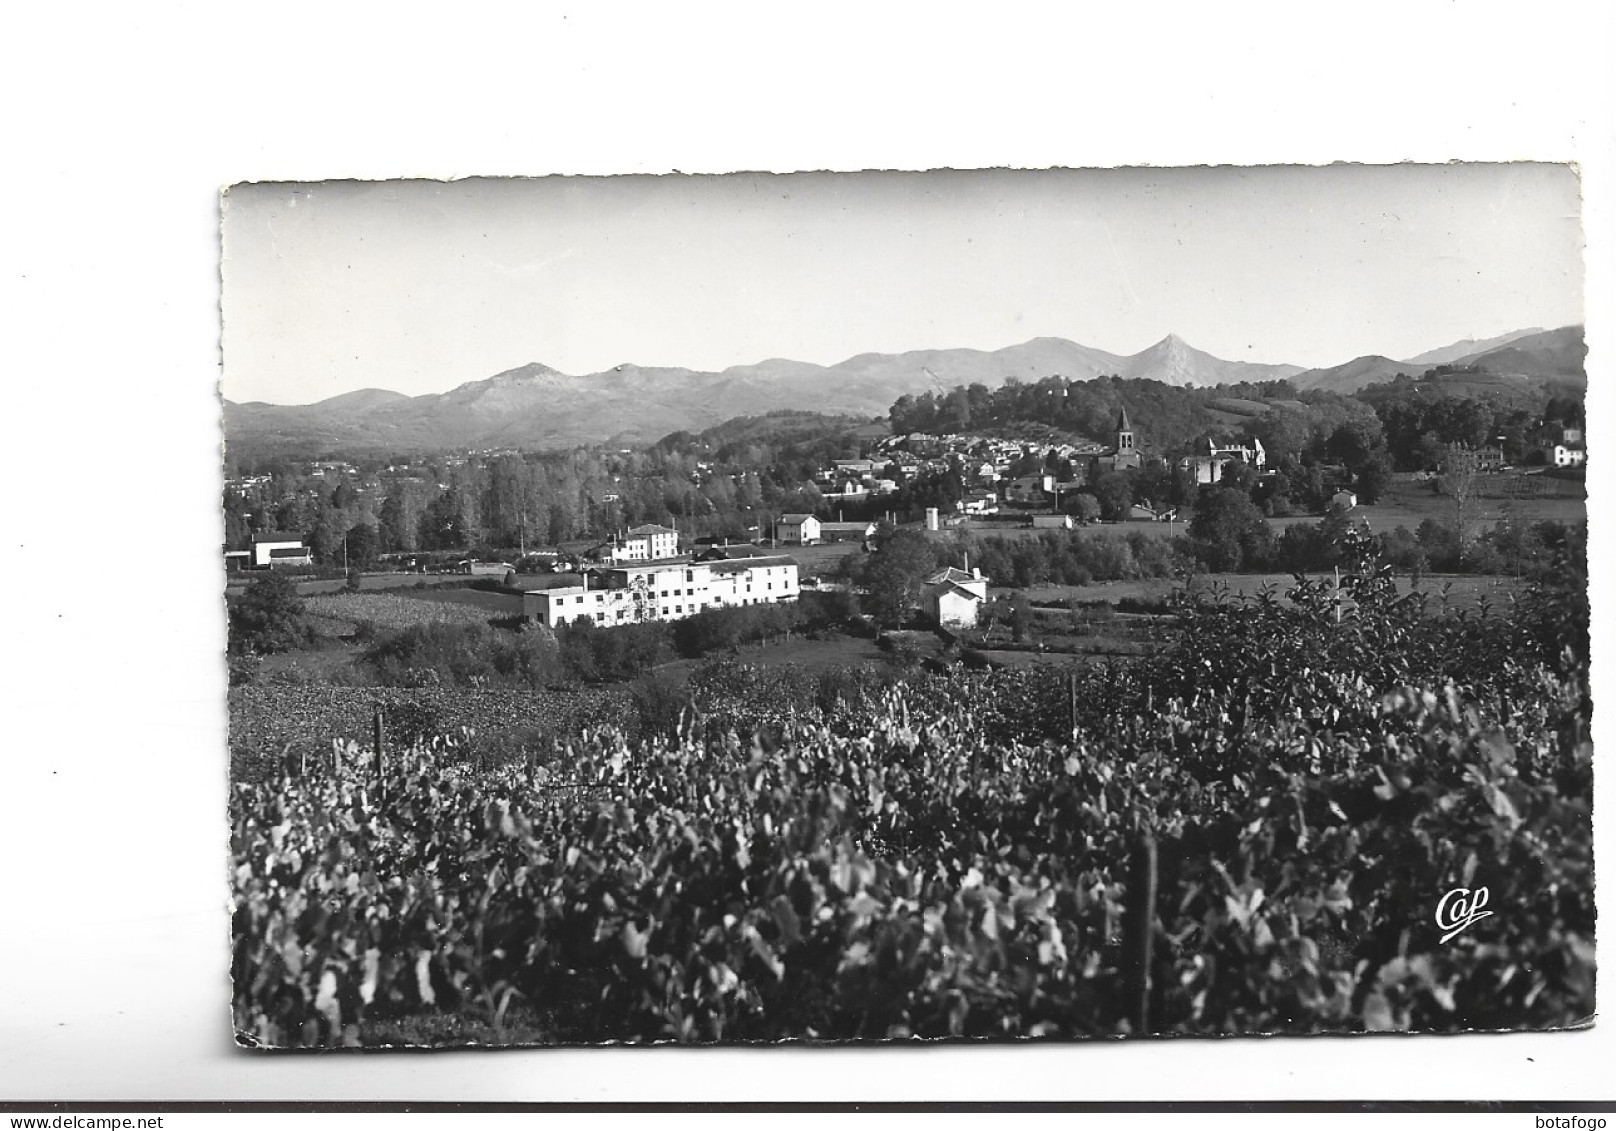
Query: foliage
point(1461, 472)
point(1072, 557)
point(959, 855)
point(268, 617)
point(467, 655)
point(715, 630)
point(893, 577)
point(1228, 532)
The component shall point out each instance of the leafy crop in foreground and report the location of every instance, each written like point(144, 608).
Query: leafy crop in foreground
point(950, 857)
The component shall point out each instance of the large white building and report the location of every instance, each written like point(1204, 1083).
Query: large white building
point(647, 544)
point(635, 594)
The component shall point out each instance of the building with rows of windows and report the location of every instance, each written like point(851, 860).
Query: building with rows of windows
point(633, 594)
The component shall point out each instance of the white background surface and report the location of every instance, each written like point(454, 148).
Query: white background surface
point(123, 121)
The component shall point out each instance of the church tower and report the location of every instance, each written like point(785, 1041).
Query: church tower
point(1124, 434)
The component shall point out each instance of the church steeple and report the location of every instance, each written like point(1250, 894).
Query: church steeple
point(1124, 433)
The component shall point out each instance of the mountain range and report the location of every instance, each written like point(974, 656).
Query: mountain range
point(535, 406)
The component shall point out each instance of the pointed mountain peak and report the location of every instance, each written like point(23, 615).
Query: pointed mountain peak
point(1172, 346)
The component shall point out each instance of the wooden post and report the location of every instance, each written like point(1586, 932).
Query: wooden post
point(1071, 701)
point(1140, 932)
point(380, 788)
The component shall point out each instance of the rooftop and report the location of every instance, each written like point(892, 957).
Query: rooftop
point(952, 576)
point(740, 565)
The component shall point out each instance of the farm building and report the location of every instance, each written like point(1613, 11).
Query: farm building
point(953, 597)
point(846, 531)
point(798, 529)
point(1050, 521)
point(1344, 500)
point(980, 502)
point(728, 553)
point(280, 550)
point(633, 594)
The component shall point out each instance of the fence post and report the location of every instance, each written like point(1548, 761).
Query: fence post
point(1139, 941)
point(380, 788)
point(1071, 701)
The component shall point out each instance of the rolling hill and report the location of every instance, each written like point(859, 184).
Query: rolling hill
point(1532, 356)
point(1353, 375)
point(1467, 347)
point(535, 406)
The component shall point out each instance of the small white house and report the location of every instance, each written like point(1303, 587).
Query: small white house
point(1568, 450)
point(798, 529)
point(953, 598)
point(1344, 500)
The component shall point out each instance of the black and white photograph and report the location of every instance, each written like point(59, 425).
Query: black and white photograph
point(901, 559)
point(998, 605)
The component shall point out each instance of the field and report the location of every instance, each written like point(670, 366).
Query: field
point(799, 652)
point(1409, 504)
point(1405, 504)
point(268, 723)
point(1464, 590)
point(236, 582)
point(403, 608)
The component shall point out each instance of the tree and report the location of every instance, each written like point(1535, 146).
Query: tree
point(395, 530)
point(1460, 478)
point(1229, 532)
point(1115, 495)
point(268, 617)
point(444, 525)
point(364, 543)
point(1374, 476)
point(1355, 441)
point(895, 574)
point(1238, 476)
point(1083, 506)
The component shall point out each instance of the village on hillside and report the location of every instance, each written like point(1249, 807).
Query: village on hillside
point(992, 483)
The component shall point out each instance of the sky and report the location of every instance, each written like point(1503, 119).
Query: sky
point(419, 286)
